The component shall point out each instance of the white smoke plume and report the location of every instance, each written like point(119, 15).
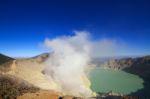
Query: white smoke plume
point(69, 57)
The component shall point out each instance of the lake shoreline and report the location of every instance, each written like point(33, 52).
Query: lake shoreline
point(101, 75)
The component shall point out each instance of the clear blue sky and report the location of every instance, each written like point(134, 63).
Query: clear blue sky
point(26, 23)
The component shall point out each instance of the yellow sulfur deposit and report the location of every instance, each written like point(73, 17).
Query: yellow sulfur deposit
point(87, 83)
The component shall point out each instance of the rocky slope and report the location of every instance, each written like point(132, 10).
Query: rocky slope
point(140, 65)
point(31, 70)
point(4, 59)
point(11, 87)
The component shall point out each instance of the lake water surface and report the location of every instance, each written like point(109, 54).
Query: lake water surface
point(105, 80)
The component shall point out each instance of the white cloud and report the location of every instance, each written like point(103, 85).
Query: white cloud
point(71, 55)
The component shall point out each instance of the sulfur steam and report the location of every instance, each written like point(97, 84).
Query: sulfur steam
point(67, 63)
point(69, 58)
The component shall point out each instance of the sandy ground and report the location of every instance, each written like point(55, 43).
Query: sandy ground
point(31, 71)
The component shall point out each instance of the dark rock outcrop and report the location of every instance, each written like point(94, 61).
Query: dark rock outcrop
point(11, 87)
point(4, 59)
point(139, 66)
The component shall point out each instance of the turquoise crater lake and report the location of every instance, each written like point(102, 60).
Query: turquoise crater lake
point(105, 80)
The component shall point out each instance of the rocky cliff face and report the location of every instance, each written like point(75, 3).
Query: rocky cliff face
point(139, 66)
point(138, 63)
point(119, 63)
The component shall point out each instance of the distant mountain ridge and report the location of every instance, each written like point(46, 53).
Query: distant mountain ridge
point(138, 65)
point(4, 59)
